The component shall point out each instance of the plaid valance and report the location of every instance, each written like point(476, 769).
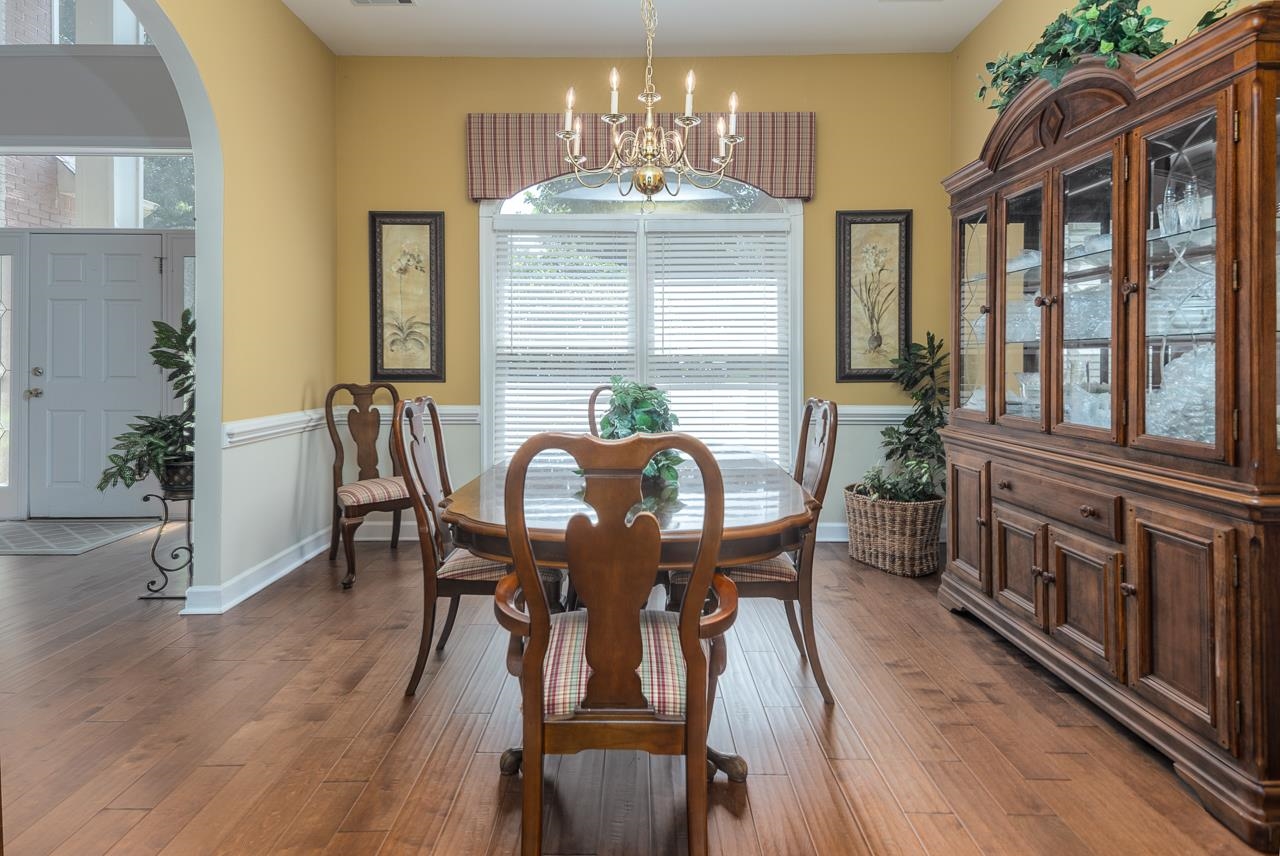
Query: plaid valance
point(507, 152)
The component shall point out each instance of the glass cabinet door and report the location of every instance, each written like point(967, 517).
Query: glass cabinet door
point(974, 312)
point(1087, 294)
point(1180, 310)
point(1022, 315)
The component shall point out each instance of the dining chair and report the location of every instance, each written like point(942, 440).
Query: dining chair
point(447, 571)
point(787, 577)
point(614, 675)
point(372, 491)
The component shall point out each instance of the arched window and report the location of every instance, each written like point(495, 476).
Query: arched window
point(701, 297)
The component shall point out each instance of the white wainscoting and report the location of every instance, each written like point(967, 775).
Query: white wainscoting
point(284, 463)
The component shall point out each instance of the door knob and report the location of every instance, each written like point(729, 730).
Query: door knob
point(34, 392)
point(37, 371)
point(1048, 577)
point(1128, 589)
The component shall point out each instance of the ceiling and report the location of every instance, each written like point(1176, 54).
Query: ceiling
point(612, 28)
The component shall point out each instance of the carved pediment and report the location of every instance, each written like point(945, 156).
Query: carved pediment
point(1043, 117)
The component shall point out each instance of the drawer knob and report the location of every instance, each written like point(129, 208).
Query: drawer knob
point(1048, 577)
point(1004, 484)
point(1128, 589)
point(1088, 511)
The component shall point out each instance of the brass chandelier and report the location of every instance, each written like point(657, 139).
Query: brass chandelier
point(649, 153)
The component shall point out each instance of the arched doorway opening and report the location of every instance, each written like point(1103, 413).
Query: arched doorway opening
point(206, 149)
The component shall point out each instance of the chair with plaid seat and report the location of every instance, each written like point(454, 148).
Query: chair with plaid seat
point(786, 577)
point(372, 491)
point(447, 571)
point(614, 675)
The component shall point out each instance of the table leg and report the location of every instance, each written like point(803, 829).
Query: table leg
point(733, 766)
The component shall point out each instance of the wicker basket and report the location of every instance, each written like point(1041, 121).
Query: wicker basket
point(898, 537)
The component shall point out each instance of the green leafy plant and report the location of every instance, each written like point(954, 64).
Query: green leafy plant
point(641, 409)
point(154, 441)
point(1105, 28)
point(914, 481)
point(915, 446)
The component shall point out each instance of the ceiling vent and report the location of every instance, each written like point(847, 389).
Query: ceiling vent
point(384, 2)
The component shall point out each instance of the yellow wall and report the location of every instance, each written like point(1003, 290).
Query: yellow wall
point(1013, 26)
point(271, 84)
point(401, 145)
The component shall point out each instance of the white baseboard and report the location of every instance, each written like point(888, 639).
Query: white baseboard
point(215, 600)
point(835, 532)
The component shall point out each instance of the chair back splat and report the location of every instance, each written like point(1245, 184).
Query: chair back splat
point(426, 470)
point(817, 446)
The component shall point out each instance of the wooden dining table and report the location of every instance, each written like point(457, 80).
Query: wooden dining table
point(766, 512)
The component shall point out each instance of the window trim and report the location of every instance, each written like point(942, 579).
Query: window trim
point(791, 221)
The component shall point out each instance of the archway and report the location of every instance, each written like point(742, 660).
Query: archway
point(206, 149)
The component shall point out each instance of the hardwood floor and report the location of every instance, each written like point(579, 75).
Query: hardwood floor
point(281, 728)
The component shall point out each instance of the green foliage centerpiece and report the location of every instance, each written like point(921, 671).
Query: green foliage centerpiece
point(161, 444)
point(636, 408)
point(895, 514)
point(1105, 28)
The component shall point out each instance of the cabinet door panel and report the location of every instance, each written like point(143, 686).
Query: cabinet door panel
point(1017, 561)
point(968, 496)
point(1082, 582)
point(1180, 619)
point(1182, 387)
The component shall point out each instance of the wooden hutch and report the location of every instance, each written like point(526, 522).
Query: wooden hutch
point(1113, 459)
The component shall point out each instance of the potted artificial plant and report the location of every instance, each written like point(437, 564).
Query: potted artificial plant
point(1091, 28)
point(895, 512)
point(163, 445)
point(636, 408)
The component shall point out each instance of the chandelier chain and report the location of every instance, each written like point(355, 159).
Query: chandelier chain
point(650, 16)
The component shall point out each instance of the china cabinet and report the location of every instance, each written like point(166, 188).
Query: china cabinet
point(1113, 468)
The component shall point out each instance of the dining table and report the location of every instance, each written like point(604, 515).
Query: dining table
point(766, 512)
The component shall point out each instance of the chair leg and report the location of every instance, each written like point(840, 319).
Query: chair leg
point(349, 527)
point(531, 805)
point(695, 795)
point(337, 533)
point(448, 622)
point(810, 639)
point(795, 627)
point(424, 644)
point(395, 529)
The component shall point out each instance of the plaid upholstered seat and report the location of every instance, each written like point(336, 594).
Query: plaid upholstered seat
point(779, 569)
point(464, 565)
point(662, 667)
point(370, 491)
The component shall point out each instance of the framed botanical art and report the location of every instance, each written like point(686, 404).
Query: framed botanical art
point(873, 292)
point(406, 270)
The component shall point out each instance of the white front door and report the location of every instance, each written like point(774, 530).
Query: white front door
point(92, 301)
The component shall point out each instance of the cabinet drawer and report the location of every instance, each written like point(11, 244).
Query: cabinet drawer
point(1091, 510)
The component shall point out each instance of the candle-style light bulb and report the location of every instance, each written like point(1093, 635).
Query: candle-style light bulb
point(568, 110)
point(613, 91)
point(688, 94)
point(720, 134)
point(577, 138)
point(733, 113)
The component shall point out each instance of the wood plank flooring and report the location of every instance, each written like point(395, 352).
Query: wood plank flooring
point(282, 728)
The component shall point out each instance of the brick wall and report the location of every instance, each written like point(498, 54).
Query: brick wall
point(28, 22)
point(29, 185)
point(31, 197)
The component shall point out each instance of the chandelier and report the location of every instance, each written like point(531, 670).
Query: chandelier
point(649, 153)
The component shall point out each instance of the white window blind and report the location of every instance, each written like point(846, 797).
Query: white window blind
point(700, 308)
point(564, 322)
point(718, 341)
